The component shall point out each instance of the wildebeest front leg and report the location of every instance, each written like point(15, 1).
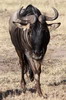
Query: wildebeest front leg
point(37, 73)
point(23, 83)
point(36, 68)
point(21, 61)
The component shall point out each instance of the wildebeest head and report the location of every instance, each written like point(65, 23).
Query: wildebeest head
point(31, 18)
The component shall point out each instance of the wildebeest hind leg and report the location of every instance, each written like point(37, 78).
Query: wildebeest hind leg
point(31, 75)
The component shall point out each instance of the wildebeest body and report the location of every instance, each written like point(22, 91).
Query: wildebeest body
point(30, 36)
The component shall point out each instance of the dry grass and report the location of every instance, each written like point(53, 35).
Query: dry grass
point(53, 76)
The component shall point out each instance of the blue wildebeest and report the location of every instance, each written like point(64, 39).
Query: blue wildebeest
point(30, 36)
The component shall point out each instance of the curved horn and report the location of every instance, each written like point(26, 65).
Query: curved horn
point(28, 18)
point(21, 11)
point(54, 17)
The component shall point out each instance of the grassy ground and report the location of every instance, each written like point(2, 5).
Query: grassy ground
point(53, 76)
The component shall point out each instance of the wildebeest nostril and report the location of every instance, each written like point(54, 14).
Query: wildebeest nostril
point(41, 51)
point(38, 53)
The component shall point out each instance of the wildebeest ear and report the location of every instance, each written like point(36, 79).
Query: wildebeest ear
point(22, 24)
point(53, 26)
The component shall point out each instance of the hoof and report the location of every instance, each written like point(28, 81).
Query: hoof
point(23, 86)
point(40, 93)
point(24, 90)
point(45, 96)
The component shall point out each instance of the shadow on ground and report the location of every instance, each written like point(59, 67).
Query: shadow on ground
point(14, 92)
point(59, 83)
